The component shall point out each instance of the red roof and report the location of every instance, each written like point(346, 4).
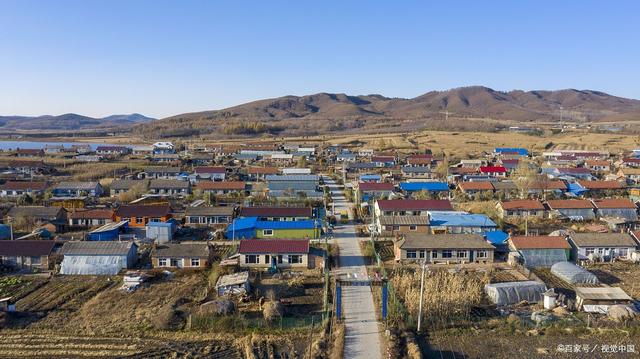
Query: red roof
point(92, 213)
point(383, 159)
point(210, 170)
point(415, 205)
point(27, 248)
point(614, 203)
point(276, 212)
point(493, 169)
point(631, 160)
point(374, 186)
point(524, 204)
point(601, 184)
point(540, 242)
point(274, 246)
point(225, 185)
point(570, 204)
point(549, 185)
point(24, 185)
point(151, 210)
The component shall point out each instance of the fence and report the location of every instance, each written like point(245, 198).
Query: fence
point(240, 323)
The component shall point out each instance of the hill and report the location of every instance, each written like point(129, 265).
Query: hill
point(310, 113)
point(70, 121)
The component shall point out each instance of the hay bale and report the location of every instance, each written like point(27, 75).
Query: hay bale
point(560, 311)
point(621, 312)
point(218, 307)
point(272, 310)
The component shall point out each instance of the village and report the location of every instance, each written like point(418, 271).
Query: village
point(255, 235)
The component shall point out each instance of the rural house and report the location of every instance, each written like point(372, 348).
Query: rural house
point(443, 248)
point(605, 246)
point(90, 217)
point(574, 209)
point(210, 173)
point(20, 188)
point(520, 208)
point(277, 213)
point(389, 225)
point(280, 253)
point(208, 216)
point(32, 254)
point(170, 187)
point(118, 187)
point(616, 208)
point(77, 189)
point(410, 207)
point(181, 255)
point(251, 227)
point(140, 215)
point(223, 187)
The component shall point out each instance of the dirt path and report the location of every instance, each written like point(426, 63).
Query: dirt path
point(362, 336)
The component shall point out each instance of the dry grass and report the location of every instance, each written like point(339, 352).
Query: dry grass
point(337, 341)
point(447, 296)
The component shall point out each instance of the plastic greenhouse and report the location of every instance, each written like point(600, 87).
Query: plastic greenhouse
point(93, 265)
point(573, 274)
point(514, 292)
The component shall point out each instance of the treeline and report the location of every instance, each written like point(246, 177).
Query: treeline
point(251, 128)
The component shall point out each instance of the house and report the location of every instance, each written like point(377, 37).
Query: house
point(370, 177)
point(164, 147)
point(367, 191)
point(598, 165)
point(616, 208)
point(631, 162)
point(97, 258)
point(539, 251)
point(511, 151)
point(417, 172)
point(142, 150)
point(572, 172)
point(346, 157)
point(140, 215)
point(383, 161)
point(605, 246)
point(169, 187)
point(222, 188)
point(77, 189)
point(208, 216)
point(167, 158)
point(233, 284)
point(632, 175)
point(600, 299)
point(388, 226)
point(201, 159)
point(251, 227)
point(505, 189)
point(112, 151)
point(28, 152)
point(181, 255)
point(460, 222)
point(277, 213)
point(602, 187)
point(278, 253)
point(121, 186)
point(90, 217)
point(19, 188)
point(574, 209)
point(296, 171)
point(161, 172)
point(476, 190)
point(436, 189)
point(29, 167)
point(410, 207)
point(493, 171)
point(291, 186)
point(520, 208)
point(210, 173)
point(37, 215)
point(509, 163)
point(419, 160)
point(260, 173)
point(552, 187)
point(32, 254)
point(443, 248)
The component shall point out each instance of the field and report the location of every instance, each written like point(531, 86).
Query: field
point(619, 274)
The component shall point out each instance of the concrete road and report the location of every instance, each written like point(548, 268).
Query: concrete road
point(362, 335)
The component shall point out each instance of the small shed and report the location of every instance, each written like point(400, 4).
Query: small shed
point(236, 283)
point(514, 292)
point(108, 232)
point(573, 274)
point(162, 232)
point(600, 299)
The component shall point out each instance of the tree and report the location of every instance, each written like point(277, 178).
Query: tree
point(442, 170)
point(302, 162)
point(524, 177)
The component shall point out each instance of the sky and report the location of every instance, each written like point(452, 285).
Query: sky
point(162, 58)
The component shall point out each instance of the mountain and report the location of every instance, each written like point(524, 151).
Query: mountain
point(70, 121)
point(307, 112)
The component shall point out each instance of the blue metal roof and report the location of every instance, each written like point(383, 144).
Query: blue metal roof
point(426, 186)
point(242, 223)
point(370, 177)
point(460, 220)
point(518, 150)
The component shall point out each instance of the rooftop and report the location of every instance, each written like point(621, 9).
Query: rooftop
point(274, 246)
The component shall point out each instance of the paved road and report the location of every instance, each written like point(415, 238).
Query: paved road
point(362, 336)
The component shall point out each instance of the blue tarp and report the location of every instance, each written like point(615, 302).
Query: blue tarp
point(424, 186)
point(520, 151)
point(576, 189)
point(496, 237)
point(442, 219)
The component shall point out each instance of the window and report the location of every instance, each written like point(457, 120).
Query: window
point(413, 228)
point(267, 232)
point(195, 262)
point(162, 262)
point(251, 259)
point(589, 251)
point(267, 259)
point(461, 254)
point(411, 254)
point(38, 260)
point(447, 253)
point(422, 254)
point(295, 258)
point(195, 220)
point(481, 254)
point(434, 254)
point(623, 252)
point(396, 228)
point(174, 262)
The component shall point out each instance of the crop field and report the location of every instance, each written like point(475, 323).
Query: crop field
point(619, 274)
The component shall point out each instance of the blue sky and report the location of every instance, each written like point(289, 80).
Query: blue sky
point(162, 58)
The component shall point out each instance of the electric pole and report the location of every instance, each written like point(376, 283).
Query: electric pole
point(424, 266)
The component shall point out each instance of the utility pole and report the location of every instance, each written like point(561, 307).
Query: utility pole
point(424, 266)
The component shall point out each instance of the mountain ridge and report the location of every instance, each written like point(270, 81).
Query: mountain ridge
point(70, 121)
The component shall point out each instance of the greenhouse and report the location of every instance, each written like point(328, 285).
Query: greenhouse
point(514, 292)
point(573, 274)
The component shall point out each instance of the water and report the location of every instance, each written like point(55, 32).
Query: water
point(12, 145)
